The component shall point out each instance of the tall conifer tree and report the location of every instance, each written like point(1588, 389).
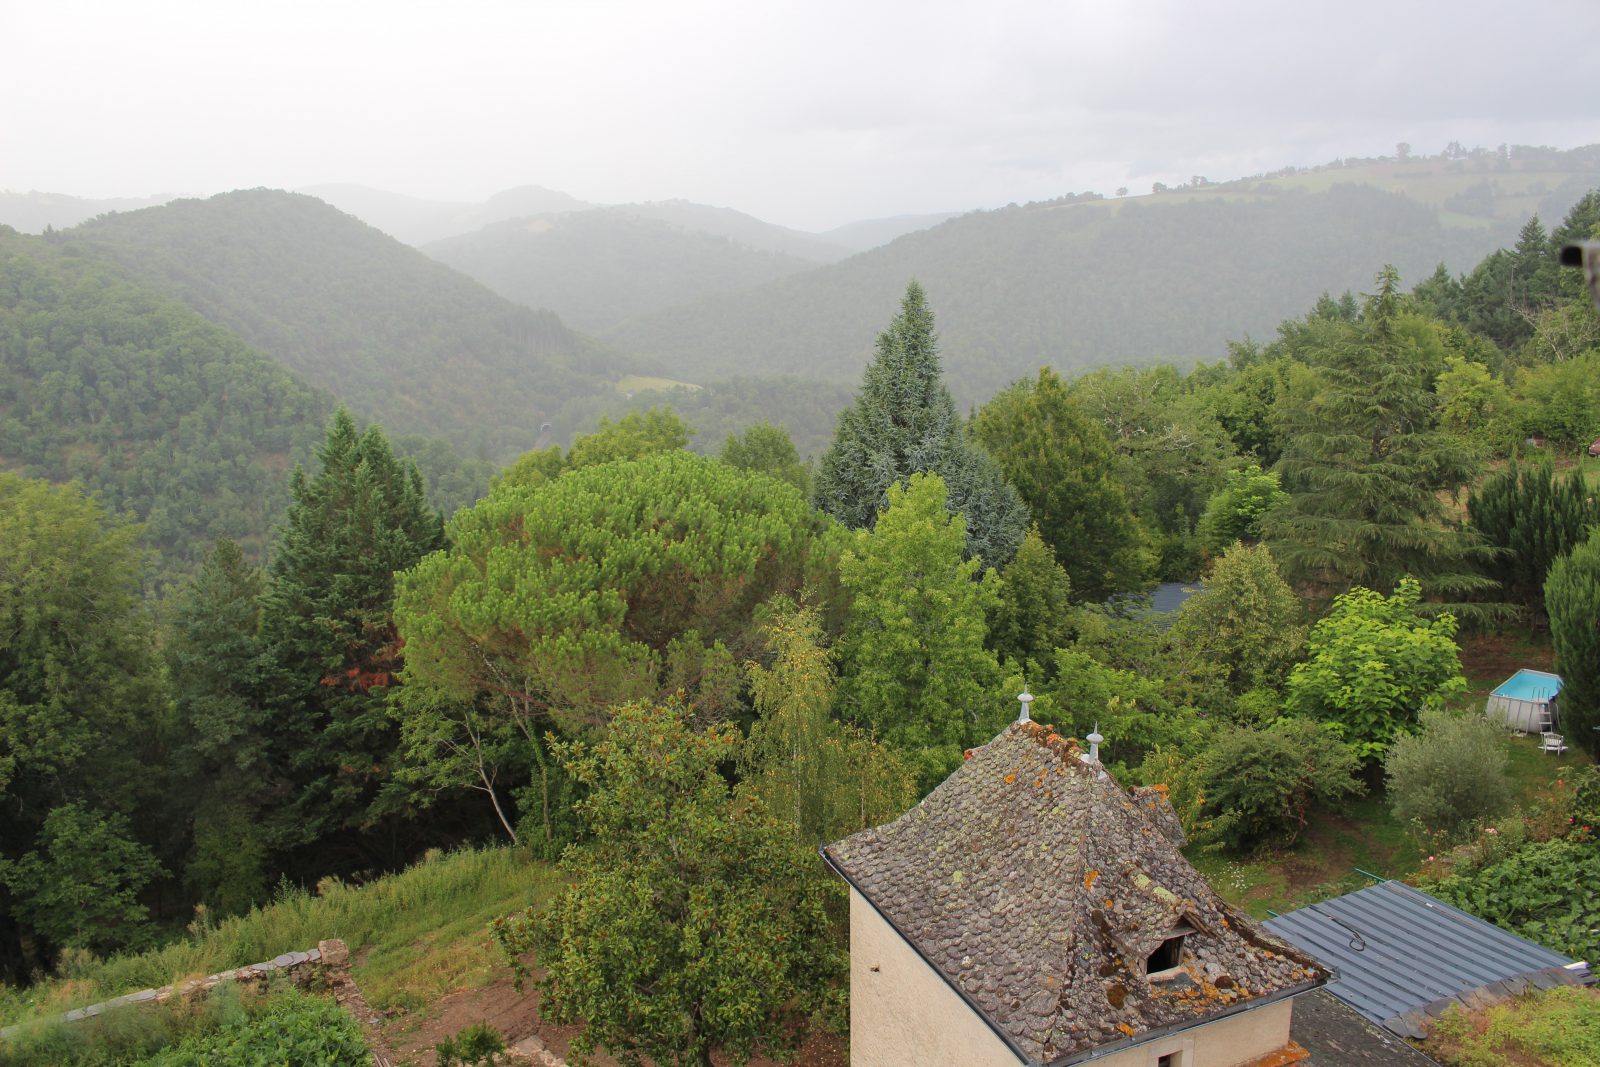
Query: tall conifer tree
point(1365, 467)
point(904, 422)
point(328, 624)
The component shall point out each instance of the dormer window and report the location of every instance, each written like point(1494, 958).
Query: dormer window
point(1168, 957)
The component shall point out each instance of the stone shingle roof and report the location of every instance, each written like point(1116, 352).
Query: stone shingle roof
point(1037, 887)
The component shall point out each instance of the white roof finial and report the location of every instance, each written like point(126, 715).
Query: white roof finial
point(1094, 739)
point(1026, 698)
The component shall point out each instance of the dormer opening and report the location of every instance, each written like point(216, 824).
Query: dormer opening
point(1168, 956)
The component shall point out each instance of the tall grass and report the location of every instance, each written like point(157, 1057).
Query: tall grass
point(424, 928)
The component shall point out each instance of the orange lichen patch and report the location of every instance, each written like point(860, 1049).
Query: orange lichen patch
point(1162, 788)
point(1293, 1052)
point(1125, 1028)
point(1010, 778)
point(1089, 877)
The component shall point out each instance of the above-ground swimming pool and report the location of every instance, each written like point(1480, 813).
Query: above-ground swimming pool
point(1526, 701)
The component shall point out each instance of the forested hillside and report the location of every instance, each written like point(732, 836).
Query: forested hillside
point(398, 337)
point(168, 417)
point(1074, 285)
point(596, 268)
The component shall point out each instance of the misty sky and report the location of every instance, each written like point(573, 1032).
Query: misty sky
point(808, 114)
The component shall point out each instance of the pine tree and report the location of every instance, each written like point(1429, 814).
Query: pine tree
point(1365, 468)
point(328, 626)
point(904, 422)
point(1532, 518)
point(1572, 599)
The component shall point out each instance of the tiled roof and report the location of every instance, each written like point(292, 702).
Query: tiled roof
point(1037, 887)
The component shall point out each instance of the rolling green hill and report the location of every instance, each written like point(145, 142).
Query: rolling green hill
point(1080, 283)
point(596, 268)
point(168, 417)
point(398, 337)
point(416, 221)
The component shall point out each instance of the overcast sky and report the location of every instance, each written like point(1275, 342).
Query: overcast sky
point(809, 114)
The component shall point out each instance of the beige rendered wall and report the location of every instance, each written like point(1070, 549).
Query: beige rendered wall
point(1225, 1043)
point(902, 1012)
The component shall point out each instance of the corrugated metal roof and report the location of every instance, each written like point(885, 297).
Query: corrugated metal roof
point(1414, 949)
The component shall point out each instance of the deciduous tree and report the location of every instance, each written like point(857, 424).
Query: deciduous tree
point(1572, 600)
point(915, 666)
point(695, 922)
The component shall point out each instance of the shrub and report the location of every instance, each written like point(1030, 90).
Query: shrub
point(472, 1046)
point(1254, 786)
point(1450, 776)
point(296, 1028)
point(1375, 664)
point(1541, 892)
point(1234, 511)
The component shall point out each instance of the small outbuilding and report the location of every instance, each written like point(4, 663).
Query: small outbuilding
point(1527, 701)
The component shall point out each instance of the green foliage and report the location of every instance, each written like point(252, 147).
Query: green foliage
point(1531, 517)
point(402, 339)
point(634, 436)
point(80, 701)
point(1245, 623)
point(1034, 616)
point(1364, 468)
point(1074, 285)
point(1531, 893)
point(1450, 776)
point(1234, 511)
point(1063, 465)
point(829, 779)
point(81, 888)
point(1559, 1027)
point(296, 1028)
point(1255, 786)
point(1172, 450)
point(694, 921)
point(767, 449)
point(164, 415)
point(475, 1045)
point(915, 666)
point(556, 602)
point(327, 628)
point(1374, 664)
point(904, 422)
point(1562, 400)
point(1134, 710)
point(1476, 406)
point(1572, 600)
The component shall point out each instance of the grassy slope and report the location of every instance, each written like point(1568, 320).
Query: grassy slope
point(416, 936)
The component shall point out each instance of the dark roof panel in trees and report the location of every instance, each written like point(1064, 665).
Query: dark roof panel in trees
point(1038, 888)
point(1398, 950)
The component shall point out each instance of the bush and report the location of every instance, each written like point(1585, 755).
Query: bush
point(1560, 1027)
point(297, 1028)
point(472, 1046)
point(1450, 777)
point(1234, 512)
point(1254, 786)
point(1540, 891)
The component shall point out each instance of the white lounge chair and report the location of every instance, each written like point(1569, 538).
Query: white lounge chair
point(1549, 742)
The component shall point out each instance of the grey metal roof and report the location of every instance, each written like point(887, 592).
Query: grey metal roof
point(1413, 950)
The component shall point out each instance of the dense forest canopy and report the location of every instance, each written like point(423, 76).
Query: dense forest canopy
point(400, 338)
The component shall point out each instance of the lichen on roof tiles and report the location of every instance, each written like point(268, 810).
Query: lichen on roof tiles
point(1038, 887)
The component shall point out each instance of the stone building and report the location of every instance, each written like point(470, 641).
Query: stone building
point(1032, 911)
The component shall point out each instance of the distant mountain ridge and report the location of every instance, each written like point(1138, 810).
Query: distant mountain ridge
point(399, 337)
point(596, 267)
point(417, 221)
point(1075, 285)
point(34, 212)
